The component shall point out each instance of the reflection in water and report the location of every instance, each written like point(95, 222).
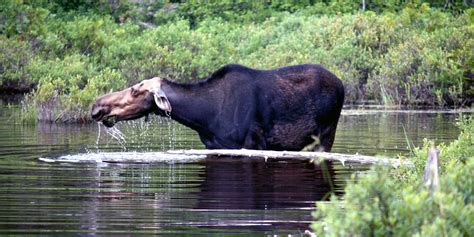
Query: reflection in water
point(253, 184)
point(265, 196)
point(216, 196)
point(251, 196)
point(390, 133)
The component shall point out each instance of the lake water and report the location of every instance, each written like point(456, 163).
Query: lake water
point(211, 196)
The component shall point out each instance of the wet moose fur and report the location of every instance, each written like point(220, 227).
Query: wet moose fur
point(281, 109)
point(237, 107)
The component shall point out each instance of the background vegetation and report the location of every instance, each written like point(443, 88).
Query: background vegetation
point(64, 53)
point(391, 52)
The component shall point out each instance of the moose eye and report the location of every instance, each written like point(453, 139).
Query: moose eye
point(133, 92)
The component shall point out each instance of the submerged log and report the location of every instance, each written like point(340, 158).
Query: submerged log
point(183, 156)
point(318, 156)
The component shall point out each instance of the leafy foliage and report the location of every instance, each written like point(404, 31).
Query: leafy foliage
point(395, 202)
point(14, 56)
point(392, 53)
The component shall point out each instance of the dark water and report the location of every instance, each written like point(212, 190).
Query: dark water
point(211, 196)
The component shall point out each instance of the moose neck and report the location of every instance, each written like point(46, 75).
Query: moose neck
point(192, 104)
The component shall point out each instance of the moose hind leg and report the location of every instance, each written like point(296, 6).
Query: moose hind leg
point(255, 139)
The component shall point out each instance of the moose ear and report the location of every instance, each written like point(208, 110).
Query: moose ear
point(161, 100)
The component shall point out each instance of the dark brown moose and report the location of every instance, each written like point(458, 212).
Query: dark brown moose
point(237, 107)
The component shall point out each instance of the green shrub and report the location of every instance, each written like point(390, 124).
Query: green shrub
point(88, 34)
point(66, 88)
point(396, 53)
point(388, 202)
point(14, 57)
point(73, 70)
point(427, 67)
point(17, 18)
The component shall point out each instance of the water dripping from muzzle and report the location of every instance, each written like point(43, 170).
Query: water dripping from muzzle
point(98, 136)
point(115, 133)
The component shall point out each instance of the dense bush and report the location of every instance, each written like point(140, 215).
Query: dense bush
point(259, 11)
point(14, 56)
point(404, 54)
point(395, 202)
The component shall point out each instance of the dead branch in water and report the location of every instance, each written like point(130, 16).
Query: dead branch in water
point(320, 156)
point(194, 155)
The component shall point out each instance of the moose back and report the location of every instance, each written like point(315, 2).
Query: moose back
point(287, 108)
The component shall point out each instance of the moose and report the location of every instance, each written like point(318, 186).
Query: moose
point(237, 107)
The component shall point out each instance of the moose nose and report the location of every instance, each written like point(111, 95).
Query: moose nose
point(97, 112)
